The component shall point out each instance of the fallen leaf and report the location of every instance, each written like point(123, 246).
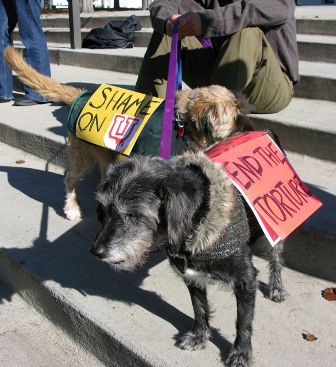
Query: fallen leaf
point(309, 337)
point(20, 161)
point(329, 294)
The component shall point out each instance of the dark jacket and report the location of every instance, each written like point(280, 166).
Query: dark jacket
point(224, 17)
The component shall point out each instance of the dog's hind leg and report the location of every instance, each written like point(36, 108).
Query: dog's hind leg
point(245, 291)
point(198, 336)
point(277, 292)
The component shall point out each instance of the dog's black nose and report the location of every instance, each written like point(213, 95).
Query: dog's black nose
point(98, 253)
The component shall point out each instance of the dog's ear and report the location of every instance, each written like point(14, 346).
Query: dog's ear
point(206, 120)
point(244, 106)
point(177, 219)
point(184, 197)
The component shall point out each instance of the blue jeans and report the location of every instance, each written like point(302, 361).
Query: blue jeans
point(25, 13)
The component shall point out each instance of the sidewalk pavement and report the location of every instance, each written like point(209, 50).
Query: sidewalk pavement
point(28, 340)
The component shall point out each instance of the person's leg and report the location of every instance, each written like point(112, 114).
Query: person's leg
point(247, 63)
point(152, 76)
point(32, 36)
point(7, 23)
point(196, 65)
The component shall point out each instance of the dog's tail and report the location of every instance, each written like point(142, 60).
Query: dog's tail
point(47, 87)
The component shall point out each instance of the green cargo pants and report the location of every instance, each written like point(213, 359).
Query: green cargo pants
point(243, 62)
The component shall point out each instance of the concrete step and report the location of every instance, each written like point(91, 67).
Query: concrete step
point(97, 19)
point(309, 19)
point(314, 19)
point(133, 319)
point(62, 35)
point(317, 48)
point(316, 25)
point(311, 47)
point(318, 80)
point(304, 120)
point(316, 28)
point(119, 60)
point(306, 126)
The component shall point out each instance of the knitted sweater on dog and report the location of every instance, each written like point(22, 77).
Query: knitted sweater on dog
point(225, 227)
point(232, 238)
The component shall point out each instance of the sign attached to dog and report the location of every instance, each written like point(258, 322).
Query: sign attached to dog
point(114, 117)
point(263, 175)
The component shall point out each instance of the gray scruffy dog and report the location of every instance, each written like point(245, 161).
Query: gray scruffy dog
point(191, 207)
point(208, 115)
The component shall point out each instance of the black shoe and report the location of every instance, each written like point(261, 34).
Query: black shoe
point(3, 100)
point(24, 102)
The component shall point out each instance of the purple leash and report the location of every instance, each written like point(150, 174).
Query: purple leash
point(205, 42)
point(167, 125)
point(174, 81)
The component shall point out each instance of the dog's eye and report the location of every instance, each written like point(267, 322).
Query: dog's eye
point(132, 215)
point(129, 216)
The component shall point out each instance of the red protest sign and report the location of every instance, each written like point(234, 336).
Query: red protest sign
point(262, 173)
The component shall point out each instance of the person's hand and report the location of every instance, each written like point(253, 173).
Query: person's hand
point(189, 25)
point(169, 24)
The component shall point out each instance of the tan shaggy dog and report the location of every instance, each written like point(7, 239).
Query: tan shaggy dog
point(208, 114)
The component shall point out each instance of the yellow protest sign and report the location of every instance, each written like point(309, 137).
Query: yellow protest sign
point(114, 117)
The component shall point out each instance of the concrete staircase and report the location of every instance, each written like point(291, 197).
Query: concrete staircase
point(317, 50)
point(130, 319)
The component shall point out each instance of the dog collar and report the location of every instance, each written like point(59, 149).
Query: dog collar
point(183, 261)
point(178, 124)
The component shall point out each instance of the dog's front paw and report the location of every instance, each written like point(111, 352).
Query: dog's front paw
point(238, 359)
point(277, 294)
point(193, 341)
